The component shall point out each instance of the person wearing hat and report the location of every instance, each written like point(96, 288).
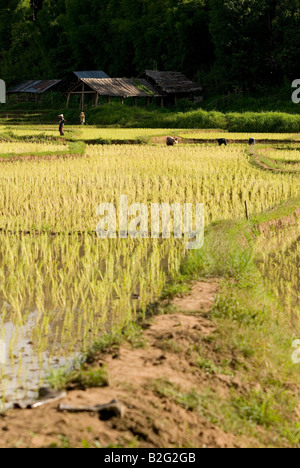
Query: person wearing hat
point(61, 124)
point(82, 118)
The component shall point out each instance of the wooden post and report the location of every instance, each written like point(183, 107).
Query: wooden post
point(122, 100)
point(68, 100)
point(134, 101)
point(82, 98)
point(247, 210)
point(97, 100)
point(108, 99)
point(161, 102)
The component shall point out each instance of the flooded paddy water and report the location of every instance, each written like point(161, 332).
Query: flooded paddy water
point(59, 294)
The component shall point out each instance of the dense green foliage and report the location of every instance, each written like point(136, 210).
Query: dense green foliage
point(224, 44)
point(156, 118)
point(128, 116)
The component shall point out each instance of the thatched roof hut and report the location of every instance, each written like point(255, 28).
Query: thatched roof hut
point(112, 87)
point(173, 84)
point(33, 89)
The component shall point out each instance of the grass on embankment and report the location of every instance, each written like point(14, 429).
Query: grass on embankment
point(263, 161)
point(72, 149)
point(253, 340)
point(252, 345)
point(127, 116)
point(124, 116)
point(283, 166)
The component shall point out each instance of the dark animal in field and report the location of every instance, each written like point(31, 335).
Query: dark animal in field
point(171, 141)
point(251, 141)
point(222, 141)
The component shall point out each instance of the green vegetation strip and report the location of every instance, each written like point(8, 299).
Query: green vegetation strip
point(254, 336)
point(280, 165)
point(76, 148)
point(153, 117)
point(268, 164)
point(252, 343)
point(124, 116)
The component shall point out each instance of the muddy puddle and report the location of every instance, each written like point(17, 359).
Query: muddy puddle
point(22, 368)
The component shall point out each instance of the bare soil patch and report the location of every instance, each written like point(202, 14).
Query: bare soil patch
point(151, 419)
point(201, 297)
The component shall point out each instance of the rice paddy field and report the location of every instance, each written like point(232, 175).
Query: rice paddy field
point(213, 134)
point(280, 266)
point(122, 134)
point(84, 133)
point(286, 158)
point(61, 286)
point(26, 147)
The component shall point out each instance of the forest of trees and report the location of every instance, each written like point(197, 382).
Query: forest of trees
point(226, 44)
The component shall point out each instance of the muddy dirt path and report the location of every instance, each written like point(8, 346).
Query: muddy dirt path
point(137, 378)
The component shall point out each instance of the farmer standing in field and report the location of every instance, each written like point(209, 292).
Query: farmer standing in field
point(61, 124)
point(82, 118)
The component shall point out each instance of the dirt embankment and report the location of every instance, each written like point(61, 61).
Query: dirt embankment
point(256, 158)
point(280, 223)
point(145, 380)
point(198, 141)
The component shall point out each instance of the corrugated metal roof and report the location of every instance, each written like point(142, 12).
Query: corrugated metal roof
point(32, 86)
point(91, 74)
point(118, 87)
point(172, 82)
